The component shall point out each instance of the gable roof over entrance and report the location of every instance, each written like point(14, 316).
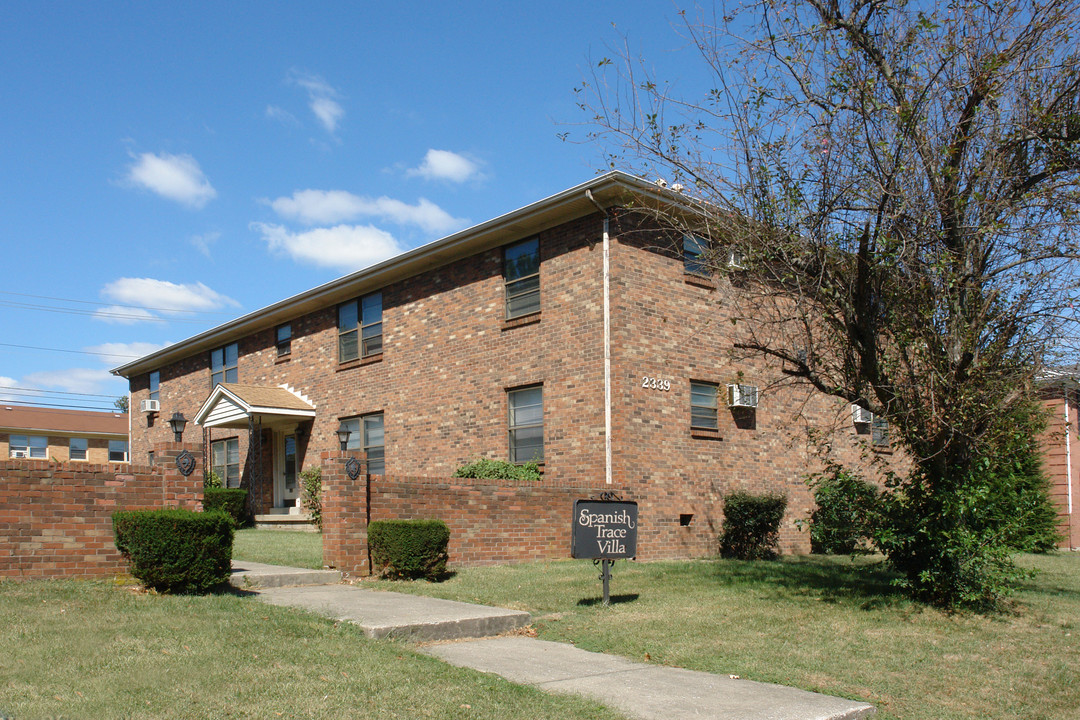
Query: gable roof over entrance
point(232, 405)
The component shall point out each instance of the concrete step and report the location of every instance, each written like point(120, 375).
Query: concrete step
point(300, 522)
point(397, 615)
point(248, 575)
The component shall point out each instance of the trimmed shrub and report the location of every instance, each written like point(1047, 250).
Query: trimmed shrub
point(485, 469)
point(751, 528)
point(409, 548)
point(311, 494)
point(211, 480)
point(845, 517)
point(177, 551)
point(231, 501)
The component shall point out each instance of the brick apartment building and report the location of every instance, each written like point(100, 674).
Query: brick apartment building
point(61, 435)
point(1060, 394)
point(563, 332)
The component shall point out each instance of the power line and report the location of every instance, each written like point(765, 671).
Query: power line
point(119, 305)
point(53, 392)
point(99, 313)
point(79, 352)
point(99, 408)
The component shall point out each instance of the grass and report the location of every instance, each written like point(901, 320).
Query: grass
point(279, 547)
point(79, 649)
point(824, 624)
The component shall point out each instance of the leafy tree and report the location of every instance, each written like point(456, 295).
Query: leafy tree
point(902, 180)
point(121, 403)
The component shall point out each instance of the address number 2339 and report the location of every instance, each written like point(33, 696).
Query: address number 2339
point(653, 383)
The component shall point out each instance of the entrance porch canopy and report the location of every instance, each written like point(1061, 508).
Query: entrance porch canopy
point(233, 406)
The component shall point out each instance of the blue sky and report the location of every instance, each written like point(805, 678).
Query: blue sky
point(168, 167)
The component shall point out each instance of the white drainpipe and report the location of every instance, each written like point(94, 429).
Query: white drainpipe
point(607, 340)
point(1068, 466)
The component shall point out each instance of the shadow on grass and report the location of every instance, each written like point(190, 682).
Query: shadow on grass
point(834, 579)
point(615, 600)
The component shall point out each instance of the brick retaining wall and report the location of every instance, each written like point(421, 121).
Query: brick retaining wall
point(56, 518)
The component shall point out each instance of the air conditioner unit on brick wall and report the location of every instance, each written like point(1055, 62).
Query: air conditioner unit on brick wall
point(20, 454)
point(861, 416)
point(149, 406)
point(742, 396)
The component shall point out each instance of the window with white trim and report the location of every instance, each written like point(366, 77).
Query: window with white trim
point(118, 451)
point(521, 273)
point(155, 384)
point(225, 461)
point(703, 406)
point(28, 446)
point(77, 448)
point(526, 424)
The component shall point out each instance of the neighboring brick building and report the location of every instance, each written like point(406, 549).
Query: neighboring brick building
point(1060, 393)
point(564, 332)
point(62, 435)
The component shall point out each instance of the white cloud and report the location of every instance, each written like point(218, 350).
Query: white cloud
point(7, 395)
point(203, 242)
point(320, 99)
point(121, 353)
point(330, 206)
point(348, 247)
point(446, 165)
point(176, 177)
point(281, 115)
point(166, 296)
point(78, 380)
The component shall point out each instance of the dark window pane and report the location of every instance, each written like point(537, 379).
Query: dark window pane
point(347, 346)
point(521, 259)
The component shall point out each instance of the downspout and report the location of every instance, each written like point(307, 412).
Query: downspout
point(607, 339)
point(1068, 468)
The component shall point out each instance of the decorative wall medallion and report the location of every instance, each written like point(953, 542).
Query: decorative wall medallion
point(185, 463)
point(352, 468)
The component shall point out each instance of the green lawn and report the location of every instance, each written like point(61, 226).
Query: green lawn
point(279, 547)
point(78, 649)
point(823, 624)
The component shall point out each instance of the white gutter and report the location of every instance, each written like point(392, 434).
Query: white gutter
point(1068, 466)
point(607, 342)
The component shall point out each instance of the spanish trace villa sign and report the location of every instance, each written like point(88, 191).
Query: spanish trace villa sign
point(604, 529)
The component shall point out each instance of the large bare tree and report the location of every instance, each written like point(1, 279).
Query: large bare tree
point(902, 180)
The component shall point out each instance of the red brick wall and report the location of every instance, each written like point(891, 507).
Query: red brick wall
point(449, 357)
point(56, 518)
point(1061, 459)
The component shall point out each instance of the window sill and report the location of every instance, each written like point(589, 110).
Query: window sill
point(360, 362)
point(282, 359)
point(705, 434)
point(699, 280)
point(530, 319)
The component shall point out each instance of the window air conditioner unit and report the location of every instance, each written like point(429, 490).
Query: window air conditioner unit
point(736, 260)
point(149, 406)
point(861, 416)
point(20, 454)
point(744, 396)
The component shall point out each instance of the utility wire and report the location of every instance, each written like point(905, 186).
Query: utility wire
point(53, 392)
point(99, 313)
point(118, 305)
point(79, 352)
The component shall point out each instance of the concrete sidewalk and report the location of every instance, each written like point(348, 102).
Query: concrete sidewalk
point(648, 692)
point(638, 690)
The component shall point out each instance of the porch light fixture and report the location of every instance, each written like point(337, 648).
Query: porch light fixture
point(343, 433)
point(178, 422)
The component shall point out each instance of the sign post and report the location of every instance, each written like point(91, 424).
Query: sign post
point(604, 530)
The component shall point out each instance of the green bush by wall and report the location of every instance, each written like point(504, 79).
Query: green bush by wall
point(409, 548)
point(751, 528)
point(231, 501)
point(177, 551)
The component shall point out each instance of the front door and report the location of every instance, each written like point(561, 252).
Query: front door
point(286, 482)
